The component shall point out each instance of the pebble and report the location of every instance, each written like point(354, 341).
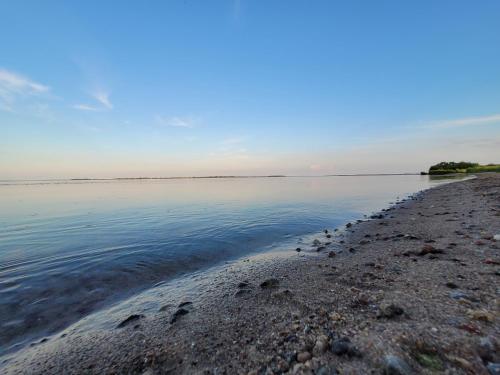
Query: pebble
point(343, 346)
point(303, 357)
point(451, 285)
point(394, 365)
point(130, 319)
point(390, 310)
point(486, 349)
point(176, 315)
point(331, 254)
point(270, 283)
point(321, 345)
point(493, 368)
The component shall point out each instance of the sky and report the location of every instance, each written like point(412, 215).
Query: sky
point(95, 89)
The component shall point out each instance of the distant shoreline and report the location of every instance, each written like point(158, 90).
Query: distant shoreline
point(209, 177)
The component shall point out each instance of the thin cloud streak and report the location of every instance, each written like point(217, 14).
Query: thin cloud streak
point(85, 107)
point(467, 121)
point(103, 98)
point(14, 86)
point(177, 122)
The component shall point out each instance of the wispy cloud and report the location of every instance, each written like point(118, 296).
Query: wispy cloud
point(178, 122)
point(85, 107)
point(466, 121)
point(14, 86)
point(102, 98)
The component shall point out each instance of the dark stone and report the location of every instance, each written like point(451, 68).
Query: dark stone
point(348, 225)
point(394, 365)
point(493, 368)
point(130, 319)
point(343, 346)
point(451, 285)
point(185, 303)
point(270, 283)
point(390, 311)
point(486, 349)
point(298, 249)
point(176, 315)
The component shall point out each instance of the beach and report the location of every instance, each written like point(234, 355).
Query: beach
point(410, 290)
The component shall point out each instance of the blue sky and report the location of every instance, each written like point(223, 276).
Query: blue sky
point(162, 88)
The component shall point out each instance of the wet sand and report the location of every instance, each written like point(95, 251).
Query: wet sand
point(414, 290)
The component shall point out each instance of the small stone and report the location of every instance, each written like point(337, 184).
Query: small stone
point(483, 315)
point(348, 225)
point(429, 249)
point(321, 345)
point(343, 346)
point(331, 254)
point(451, 285)
point(328, 236)
point(130, 319)
point(458, 294)
point(394, 365)
point(298, 249)
point(390, 310)
point(176, 315)
point(493, 368)
point(486, 349)
point(496, 237)
point(316, 242)
point(270, 283)
point(303, 357)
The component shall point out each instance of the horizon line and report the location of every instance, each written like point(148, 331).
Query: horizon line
point(209, 177)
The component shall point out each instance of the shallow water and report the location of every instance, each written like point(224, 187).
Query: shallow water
point(68, 248)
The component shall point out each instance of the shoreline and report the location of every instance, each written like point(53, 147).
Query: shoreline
point(377, 297)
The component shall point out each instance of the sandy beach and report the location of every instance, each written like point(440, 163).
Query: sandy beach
point(411, 290)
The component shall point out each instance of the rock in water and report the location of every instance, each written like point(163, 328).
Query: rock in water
point(270, 283)
point(178, 314)
point(130, 319)
point(396, 366)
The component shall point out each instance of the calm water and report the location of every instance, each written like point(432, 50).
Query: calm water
point(69, 248)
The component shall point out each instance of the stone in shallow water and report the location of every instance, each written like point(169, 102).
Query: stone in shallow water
point(394, 365)
point(130, 319)
point(270, 283)
point(180, 312)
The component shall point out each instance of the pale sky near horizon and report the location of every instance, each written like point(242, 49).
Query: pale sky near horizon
point(183, 88)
